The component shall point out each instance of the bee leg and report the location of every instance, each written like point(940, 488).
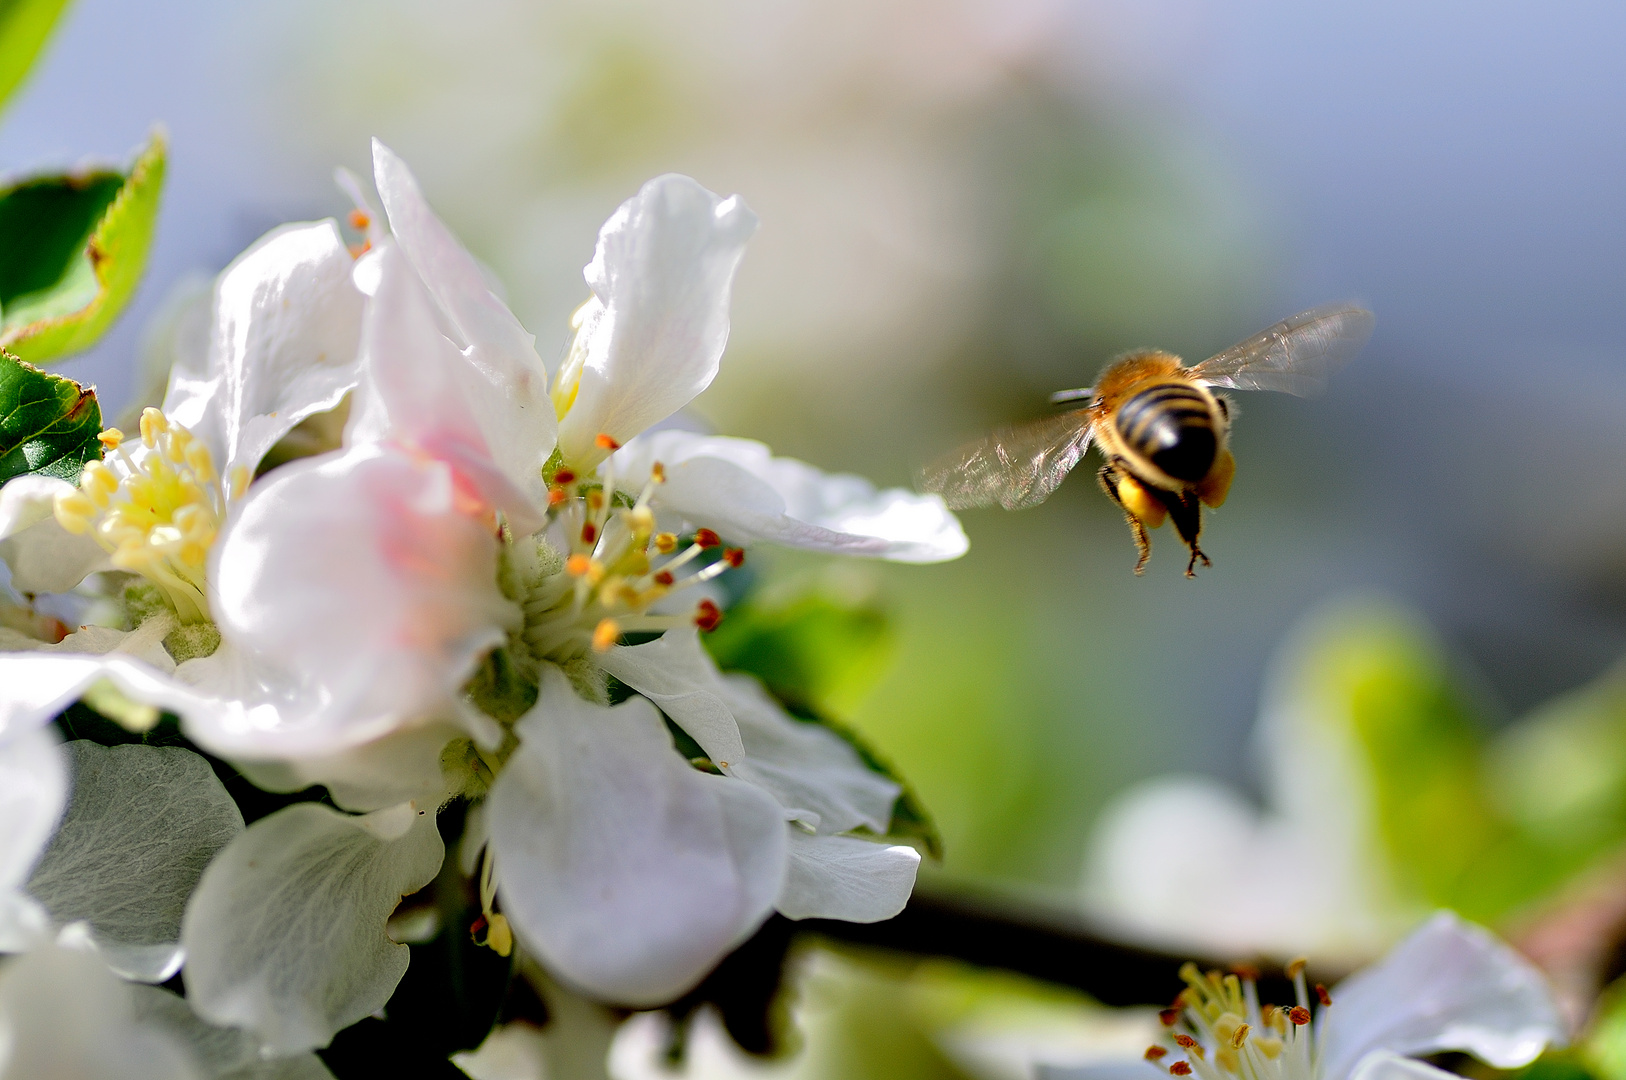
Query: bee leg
point(1110, 479)
point(1186, 511)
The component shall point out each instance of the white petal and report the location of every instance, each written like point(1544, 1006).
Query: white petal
point(843, 877)
point(63, 1014)
point(287, 321)
point(806, 766)
point(1387, 1065)
point(661, 275)
point(1297, 889)
point(364, 574)
point(1102, 1070)
point(737, 488)
point(511, 394)
point(43, 556)
point(33, 789)
point(676, 674)
point(35, 686)
point(1449, 986)
point(142, 824)
point(418, 389)
point(285, 933)
point(627, 871)
point(224, 1053)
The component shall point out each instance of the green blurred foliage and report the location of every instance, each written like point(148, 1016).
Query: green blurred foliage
point(24, 26)
point(76, 247)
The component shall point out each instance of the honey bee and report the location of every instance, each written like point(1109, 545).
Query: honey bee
point(1162, 430)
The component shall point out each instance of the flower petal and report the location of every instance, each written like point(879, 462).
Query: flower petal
point(1387, 1065)
point(33, 790)
point(661, 277)
point(43, 556)
point(806, 766)
point(1449, 986)
point(363, 574)
point(736, 487)
point(843, 877)
point(285, 933)
point(287, 321)
point(63, 1014)
point(419, 390)
point(142, 824)
point(627, 871)
point(676, 674)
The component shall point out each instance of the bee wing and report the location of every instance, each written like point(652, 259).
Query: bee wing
point(1294, 356)
point(1016, 467)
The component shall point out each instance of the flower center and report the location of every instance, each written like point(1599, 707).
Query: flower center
point(1218, 1030)
point(616, 570)
point(156, 510)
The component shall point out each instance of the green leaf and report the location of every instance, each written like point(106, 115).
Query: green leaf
point(48, 424)
point(75, 247)
point(24, 26)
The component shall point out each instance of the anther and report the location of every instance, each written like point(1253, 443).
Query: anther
point(1239, 1036)
point(605, 634)
point(707, 616)
point(1299, 1015)
point(657, 473)
point(706, 539)
point(664, 578)
point(111, 438)
point(153, 424)
point(1169, 1017)
point(665, 543)
point(360, 219)
point(1155, 1052)
point(1246, 972)
point(1321, 994)
point(556, 496)
point(589, 532)
point(564, 476)
point(604, 442)
point(577, 565)
point(734, 557)
point(1295, 968)
point(1186, 1041)
point(1180, 1068)
point(500, 937)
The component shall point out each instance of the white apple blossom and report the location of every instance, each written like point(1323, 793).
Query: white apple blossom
point(1449, 986)
point(436, 607)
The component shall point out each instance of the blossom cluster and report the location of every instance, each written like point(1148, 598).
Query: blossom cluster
point(368, 542)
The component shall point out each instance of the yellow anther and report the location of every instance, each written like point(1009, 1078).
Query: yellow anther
point(74, 511)
point(640, 520)
point(595, 501)
point(1268, 1045)
point(499, 935)
point(111, 438)
point(606, 634)
point(175, 447)
point(665, 543)
point(1239, 1036)
point(239, 481)
point(1296, 967)
point(200, 461)
point(153, 424)
point(657, 473)
point(98, 479)
point(194, 554)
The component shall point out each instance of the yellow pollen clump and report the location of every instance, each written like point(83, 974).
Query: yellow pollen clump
point(155, 512)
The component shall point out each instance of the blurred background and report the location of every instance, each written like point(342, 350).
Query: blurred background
point(965, 206)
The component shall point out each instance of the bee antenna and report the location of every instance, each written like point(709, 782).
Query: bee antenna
point(1071, 395)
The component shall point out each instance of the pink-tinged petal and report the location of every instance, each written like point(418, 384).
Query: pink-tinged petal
point(419, 390)
point(739, 489)
point(629, 872)
point(661, 278)
point(1449, 986)
point(843, 877)
point(369, 580)
point(287, 321)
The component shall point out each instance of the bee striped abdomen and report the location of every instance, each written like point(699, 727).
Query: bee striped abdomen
point(1172, 426)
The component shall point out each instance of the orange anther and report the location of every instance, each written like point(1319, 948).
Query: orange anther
point(1186, 1041)
point(734, 556)
point(1322, 995)
point(577, 565)
point(604, 442)
point(1170, 1017)
point(1180, 1068)
point(589, 533)
point(707, 615)
point(360, 219)
point(657, 473)
point(605, 634)
point(556, 495)
point(564, 476)
point(707, 539)
point(665, 543)
point(664, 578)
point(358, 250)
point(1299, 1015)
point(1155, 1052)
